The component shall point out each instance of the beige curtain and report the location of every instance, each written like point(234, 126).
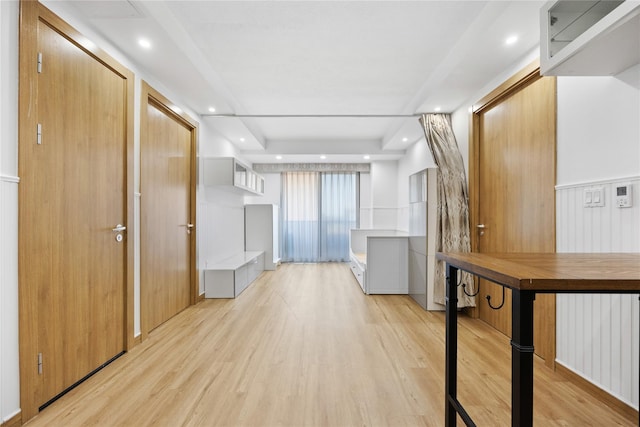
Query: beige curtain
point(452, 234)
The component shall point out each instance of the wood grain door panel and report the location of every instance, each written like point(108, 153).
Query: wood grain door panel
point(166, 165)
point(73, 189)
point(516, 194)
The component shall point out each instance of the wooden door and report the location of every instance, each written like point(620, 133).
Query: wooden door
point(167, 265)
point(515, 192)
point(73, 277)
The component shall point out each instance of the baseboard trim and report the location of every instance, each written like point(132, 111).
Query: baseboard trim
point(610, 400)
point(14, 421)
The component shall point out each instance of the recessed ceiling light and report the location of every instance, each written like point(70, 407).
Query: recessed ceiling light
point(511, 40)
point(367, 157)
point(241, 139)
point(405, 139)
point(144, 43)
point(323, 157)
point(212, 110)
point(437, 109)
point(279, 157)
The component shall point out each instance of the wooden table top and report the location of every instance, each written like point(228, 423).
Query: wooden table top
point(553, 272)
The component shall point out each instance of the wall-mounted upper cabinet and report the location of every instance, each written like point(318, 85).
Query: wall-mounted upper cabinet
point(229, 172)
point(589, 38)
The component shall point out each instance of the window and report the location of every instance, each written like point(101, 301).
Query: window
point(318, 210)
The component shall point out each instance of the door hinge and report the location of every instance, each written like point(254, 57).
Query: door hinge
point(39, 363)
point(39, 134)
point(39, 62)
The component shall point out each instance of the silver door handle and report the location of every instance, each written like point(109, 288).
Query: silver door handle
point(189, 228)
point(119, 228)
point(480, 226)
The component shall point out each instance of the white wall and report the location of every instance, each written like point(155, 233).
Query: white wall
point(220, 213)
point(9, 363)
point(272, 186)
point(366, 220)
point(384, 196)
point(417, 158)
point(599, 144)
point(598, 128)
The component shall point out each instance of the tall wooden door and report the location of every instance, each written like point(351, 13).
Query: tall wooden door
point(167, 227)
point(72, 195)
point(515, 192)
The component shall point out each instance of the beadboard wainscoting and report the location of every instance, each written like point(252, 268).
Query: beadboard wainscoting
point(598, 335)
point(9, 362)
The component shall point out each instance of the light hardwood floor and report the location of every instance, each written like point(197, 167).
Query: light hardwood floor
point(303, 346)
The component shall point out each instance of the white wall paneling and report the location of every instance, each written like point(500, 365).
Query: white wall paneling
point(597, 335)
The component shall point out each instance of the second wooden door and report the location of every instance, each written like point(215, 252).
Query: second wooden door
point(167, 144)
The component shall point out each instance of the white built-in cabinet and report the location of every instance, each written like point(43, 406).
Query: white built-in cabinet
point(231, 173)
point(261, 232)
point(229, 277)
point(589, 38)
point(423, 207)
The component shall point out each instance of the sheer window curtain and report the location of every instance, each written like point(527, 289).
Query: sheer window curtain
point(300, 209)
point(338, 214)
point(318, 210)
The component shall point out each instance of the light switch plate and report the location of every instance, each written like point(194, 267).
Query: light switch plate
point(593, 197)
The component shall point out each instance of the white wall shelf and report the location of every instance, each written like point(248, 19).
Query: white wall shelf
point(231, 173)
point(589, 38)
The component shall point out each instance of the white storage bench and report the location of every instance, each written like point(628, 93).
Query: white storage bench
point(380, 260)
point(229, 277)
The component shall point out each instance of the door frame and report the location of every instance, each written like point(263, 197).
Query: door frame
point(31, 13)
point(148, 96)
point(523, 78)
point(528, 75)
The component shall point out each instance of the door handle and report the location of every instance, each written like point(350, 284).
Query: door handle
point(189, 228)
point(481, 228)
point(119, 228)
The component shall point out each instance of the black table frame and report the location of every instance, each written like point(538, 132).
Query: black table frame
point(521, 353)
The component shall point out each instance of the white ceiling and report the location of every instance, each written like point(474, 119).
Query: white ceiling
point(356, 58)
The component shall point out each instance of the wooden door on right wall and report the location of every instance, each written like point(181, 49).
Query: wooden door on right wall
point(513, 191)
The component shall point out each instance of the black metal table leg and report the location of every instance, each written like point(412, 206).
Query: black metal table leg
point(451, 339)
point(522, 358)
